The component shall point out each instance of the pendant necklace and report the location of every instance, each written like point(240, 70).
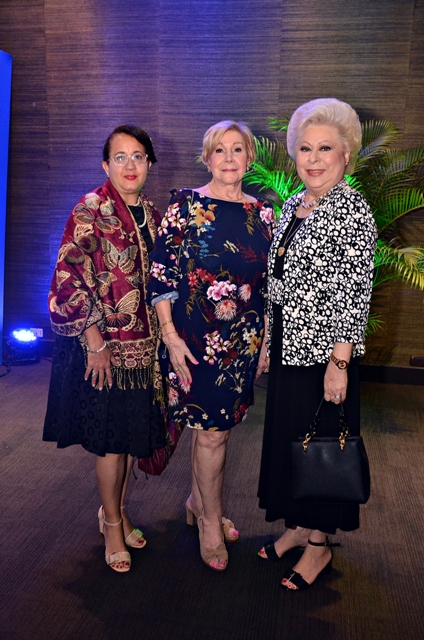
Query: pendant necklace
point(291, 232)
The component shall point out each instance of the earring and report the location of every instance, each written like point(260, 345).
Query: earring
point(107, 174)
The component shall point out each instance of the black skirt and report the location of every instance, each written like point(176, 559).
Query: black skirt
point(118, 420)
point(293, 396)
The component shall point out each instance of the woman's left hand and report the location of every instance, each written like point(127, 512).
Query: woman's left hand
point(335, 384)
point(263, 362)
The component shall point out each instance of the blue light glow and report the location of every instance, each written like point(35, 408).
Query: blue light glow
point(24, 335)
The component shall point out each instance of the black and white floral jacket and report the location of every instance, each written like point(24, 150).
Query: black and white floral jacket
point(325, 290)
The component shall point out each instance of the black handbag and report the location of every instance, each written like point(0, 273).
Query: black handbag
point(332, 470)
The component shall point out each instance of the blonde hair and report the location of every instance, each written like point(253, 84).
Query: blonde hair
point(332, 113)
point(214, 134)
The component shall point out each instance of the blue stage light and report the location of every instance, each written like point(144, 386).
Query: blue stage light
point(21, 347)
point(25, 336)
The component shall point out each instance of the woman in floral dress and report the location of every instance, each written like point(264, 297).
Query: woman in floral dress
point(207, 285)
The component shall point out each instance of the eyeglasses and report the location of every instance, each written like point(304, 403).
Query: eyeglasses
point(121, 158)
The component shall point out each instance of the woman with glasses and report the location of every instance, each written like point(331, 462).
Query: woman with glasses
point(105, 390)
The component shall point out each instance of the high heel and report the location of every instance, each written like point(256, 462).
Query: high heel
point(136, 536)
point(271, 553)
point(117, 556)
point(299, 582)
point(208, 554)
point(227, 526)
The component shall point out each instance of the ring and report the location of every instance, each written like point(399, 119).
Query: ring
point(176, 369)
point(337, 397)
point(94, 374)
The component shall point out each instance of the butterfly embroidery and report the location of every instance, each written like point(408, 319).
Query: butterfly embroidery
point(82, 230)
point(135, 279)
point(82, 215)
point(122, 316)
point(108, 224)
point(61, 276)
point(124, 259)
point(67, 307)
point(101, 280)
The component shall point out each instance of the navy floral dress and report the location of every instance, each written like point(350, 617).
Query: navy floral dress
point(210, 259)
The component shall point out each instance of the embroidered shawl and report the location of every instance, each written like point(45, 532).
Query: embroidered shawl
point(101, 275)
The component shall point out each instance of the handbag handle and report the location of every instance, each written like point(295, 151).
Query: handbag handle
point(343, 427)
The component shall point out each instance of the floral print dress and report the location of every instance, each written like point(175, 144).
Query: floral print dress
point(210, 259)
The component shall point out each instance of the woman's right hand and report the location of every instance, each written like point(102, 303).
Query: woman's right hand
point(98, 364)
point(99, 368)
point(178, 352)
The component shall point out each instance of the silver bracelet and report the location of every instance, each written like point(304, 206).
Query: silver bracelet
point(97, 350)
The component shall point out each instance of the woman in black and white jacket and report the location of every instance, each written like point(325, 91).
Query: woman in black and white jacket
point(320, 270)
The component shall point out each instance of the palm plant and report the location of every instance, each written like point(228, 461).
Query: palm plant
point(391, 179)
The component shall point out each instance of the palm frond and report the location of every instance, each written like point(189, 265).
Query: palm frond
point(396, 205)
point(355, 183)
point(375, 323)
point(405, 263)
point(274, 170)
point(278, 124)
point(273, 155)
point(279, 182)
point(378, 135)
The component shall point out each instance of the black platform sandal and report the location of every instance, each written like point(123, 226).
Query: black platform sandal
point(295, 577)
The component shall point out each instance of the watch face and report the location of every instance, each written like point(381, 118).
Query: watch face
point(342, 364)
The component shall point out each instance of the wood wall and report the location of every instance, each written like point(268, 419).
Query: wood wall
point(84, 66)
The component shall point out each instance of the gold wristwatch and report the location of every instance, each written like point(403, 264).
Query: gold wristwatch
point(341, 364)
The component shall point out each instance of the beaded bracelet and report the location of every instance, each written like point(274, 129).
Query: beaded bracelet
point(165, 323)
point(97, 350)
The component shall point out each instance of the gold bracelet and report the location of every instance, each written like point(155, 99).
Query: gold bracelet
point(165, 323)
point(168, 333)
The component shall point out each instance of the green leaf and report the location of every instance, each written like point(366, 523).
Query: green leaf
point(278, 124)
point(405, 263)
point(375, 323)
point(396, 205)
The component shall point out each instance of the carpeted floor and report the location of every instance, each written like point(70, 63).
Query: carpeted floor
point(55, 584)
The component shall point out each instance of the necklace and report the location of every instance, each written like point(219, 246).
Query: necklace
point(220, 198)
point(290, 233)
point(138, 204)
point(313, 202)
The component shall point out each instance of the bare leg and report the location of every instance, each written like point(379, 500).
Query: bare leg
point(208, 464)
point(195, 499)
point(110, 472)
point(291, 538)
point(137, 540)
point(313, 560)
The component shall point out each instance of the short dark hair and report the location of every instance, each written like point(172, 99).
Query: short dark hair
point(135, 132)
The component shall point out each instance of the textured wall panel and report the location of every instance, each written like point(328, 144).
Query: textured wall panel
point(175, 68)
point(22, 34)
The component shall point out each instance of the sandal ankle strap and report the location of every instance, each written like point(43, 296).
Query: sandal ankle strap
point(327, 543)
point(112, 524)
point(319, 544)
